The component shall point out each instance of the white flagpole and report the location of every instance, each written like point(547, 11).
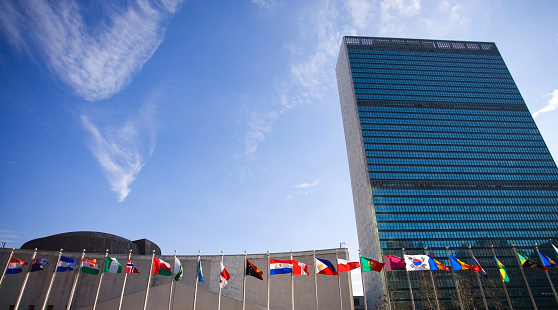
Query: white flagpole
point(268, 277)
point(547, 276)
point(25, 280)
point(433, 284)
point(315, 277)
point(503, 283)
point(362, 280)
point(197, 280)
point(339, 283)
point(100, 280)
point(244, 282)
point(480, 283)
point(292, 282)
point(455, 280)
point(75, 282)
point(219, 305)
point(148, 281)
point(6, 267)
point(384, 275)
point(524, 277)
point(409, 280)
point(172, 279)
point(52, 280)
point(125, 277)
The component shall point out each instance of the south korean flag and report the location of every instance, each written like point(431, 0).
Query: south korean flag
point(417, 262)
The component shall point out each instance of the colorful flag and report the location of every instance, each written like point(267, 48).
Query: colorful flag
point(503, 271)
point(161, 267)
point(38, 264)
point(15, 266)
point(252, 270)
point(224, 276)
point(177, 269)
point(278, 266)
point(89, 266)
point(547, 262)
point(369, 264)
point(456, 264)
point(299, 268)
point(323, 266)
point(345, 265)
point(525, 262)
point(436, 265)
point(65, 264)
point(417, 262)
point(130, 268)
point(393, 262)
point(200, 272)
point(479, 267)
point(112, 265)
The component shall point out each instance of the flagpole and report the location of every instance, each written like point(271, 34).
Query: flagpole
point(75, 282)
point(478, 278)
point(503, 283)
point(100, 280)
point(433, 284)
point(315, 279)
point(547, 276)
point(338, 282)
point(148, 281)
point(219, 305)
point(52, 280)
point(172, 279)
point(524, 277)
point(25, 280)
point(384, 275)
point(455, 280)
point(125, 277)
point(244, 282)
point(268, 278)
point(409, 280)
point(362, 280)
point(197, 280)
point(7, 265)
point(292, 282)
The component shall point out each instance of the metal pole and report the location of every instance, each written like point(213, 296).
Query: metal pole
point(339, 283)
point(172, 279)
point(504, 283)
point(384, 275)
point(547, 276)
point(52, 280)
point(219, 305)
point(409, 280)
point(524, 277)
point(244, 282)
point(292, 283)
point(6, 267)
point(455, 280)
point(362, 280)
point(25, 280)
point(125, 277)
point(100, 280)
point(315, 277)
point(268, 277)
point(479, 280)
point(75, 282)
point(197, 280)
point(433, 284)
point(148, 281)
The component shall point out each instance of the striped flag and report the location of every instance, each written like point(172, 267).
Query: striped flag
point(130, 268)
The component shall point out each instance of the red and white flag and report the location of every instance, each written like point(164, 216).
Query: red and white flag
point(130, 268)
point(161, 267)
point(225, 276)
point(345, 265)
point(299, 268)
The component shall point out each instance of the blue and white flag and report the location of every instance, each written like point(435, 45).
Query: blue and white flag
point(417, 262)
point(277, 266)
point(66, 264)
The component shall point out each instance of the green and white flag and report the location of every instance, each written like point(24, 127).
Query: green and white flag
point(177, 270)
point(112, 265)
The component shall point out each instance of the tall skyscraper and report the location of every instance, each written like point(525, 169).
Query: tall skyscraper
point(443, 152)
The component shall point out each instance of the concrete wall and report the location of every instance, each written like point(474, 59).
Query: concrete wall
point(256, 290)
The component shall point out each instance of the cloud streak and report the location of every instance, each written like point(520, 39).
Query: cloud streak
point(96, 61)
point(306, 185)
point(551, 106)
point(122, 150)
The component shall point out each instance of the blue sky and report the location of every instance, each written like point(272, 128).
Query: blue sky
point(213, 125)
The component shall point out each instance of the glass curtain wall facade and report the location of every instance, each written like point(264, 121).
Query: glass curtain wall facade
point(443, 152)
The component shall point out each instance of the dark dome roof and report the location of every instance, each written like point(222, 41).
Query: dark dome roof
point(92, 242)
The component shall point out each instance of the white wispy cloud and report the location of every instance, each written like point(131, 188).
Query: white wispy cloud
point(551, 106)
point(123, 149)
point(362, 12)
point(394, 10)
point(266, 4)
point(306, 185)
point(98, 60)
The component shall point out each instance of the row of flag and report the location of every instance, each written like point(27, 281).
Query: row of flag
point(68, 264)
